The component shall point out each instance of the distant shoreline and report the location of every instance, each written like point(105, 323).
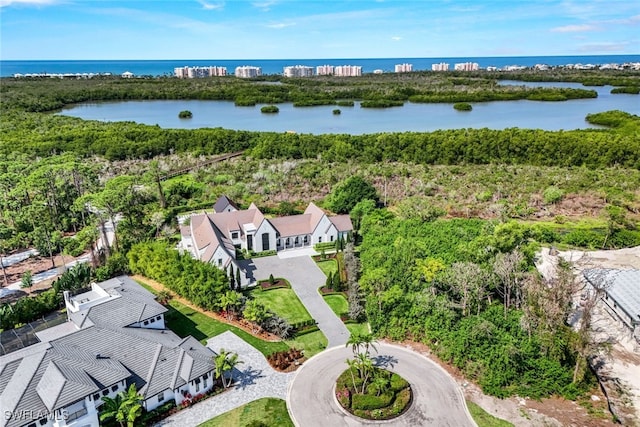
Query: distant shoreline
point(165, 67)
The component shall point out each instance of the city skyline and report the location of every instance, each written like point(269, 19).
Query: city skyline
point(77, 30)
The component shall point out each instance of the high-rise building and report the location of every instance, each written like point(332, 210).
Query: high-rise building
point(466, 66)
point(443, 66)
point(404, 68)
point(248, 71)
point(298, 71)
point(348, 70)
point(199, 72)
point(324, 70)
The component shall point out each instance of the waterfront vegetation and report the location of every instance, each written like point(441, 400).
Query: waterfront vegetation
point(185, 114)
point(269, 109)
point(462, 106)
point(455, 202)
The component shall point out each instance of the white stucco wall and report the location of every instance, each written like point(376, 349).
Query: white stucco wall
point(265, 227)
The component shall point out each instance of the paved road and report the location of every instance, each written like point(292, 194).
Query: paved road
point(254, 379)
point(437, 399)
point(305, 278)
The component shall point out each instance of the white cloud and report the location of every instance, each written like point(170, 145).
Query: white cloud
point(264, 5)
point(4, 3)
point(211, 6)
point(396, 38)
point(280, 25)
point(574, 28)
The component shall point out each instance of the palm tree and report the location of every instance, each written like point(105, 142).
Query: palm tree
point(225, 361)
point(355, 341)
point(368, 341)
point(380, 383)
point(111, 409)
point(352, 366)
point(125, 407)
point(365, 367)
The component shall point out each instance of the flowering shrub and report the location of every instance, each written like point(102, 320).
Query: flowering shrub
point(343, 396)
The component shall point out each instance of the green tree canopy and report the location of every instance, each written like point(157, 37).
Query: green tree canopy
point(349, 192)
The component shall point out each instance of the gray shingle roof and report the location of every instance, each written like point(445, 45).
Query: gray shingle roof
point(50, 385)
point(222, 202)
point(52, 375)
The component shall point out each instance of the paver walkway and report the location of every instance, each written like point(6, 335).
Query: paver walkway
point(305, 278)
point(254, 379)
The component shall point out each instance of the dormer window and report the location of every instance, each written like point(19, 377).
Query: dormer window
point(234, 234)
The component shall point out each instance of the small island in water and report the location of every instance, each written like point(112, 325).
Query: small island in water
point(462, 106)
point(185, 114)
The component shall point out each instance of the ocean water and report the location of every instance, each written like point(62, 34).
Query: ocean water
point(275, 66)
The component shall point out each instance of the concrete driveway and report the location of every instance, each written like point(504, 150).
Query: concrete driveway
point(437, 399)
point(305, 278)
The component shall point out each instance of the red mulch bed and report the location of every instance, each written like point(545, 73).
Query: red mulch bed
point(278, 283)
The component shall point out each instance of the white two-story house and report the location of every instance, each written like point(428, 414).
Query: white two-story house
point(115, 337)
point(214, 237)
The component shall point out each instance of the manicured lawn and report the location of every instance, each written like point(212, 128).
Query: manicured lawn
point(327, 266)
point(358, 328)
point(273, 412)
point(284, 302)
point(312, 343)
point(484, 419)
point(338, 304)
point(185, 321)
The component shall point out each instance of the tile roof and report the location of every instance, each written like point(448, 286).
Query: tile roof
point(316, 215)
point(52, 375)
point(342, 222)
point(293, 225)
point(222, 203)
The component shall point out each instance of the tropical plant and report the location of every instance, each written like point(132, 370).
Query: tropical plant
point(164, 296)
point(380, 382)
point(224, 362)
point(126, 407)
point(229, 302)
point(27, 280)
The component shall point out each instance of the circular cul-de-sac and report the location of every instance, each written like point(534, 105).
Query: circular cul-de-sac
point(437, 400)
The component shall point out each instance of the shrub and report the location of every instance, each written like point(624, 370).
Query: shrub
point(278, 326)
point(283, 359)
point(552, 195)
point(337, 112)
point(345, 103)
point(270, 109)
point(185, 114)
point(398, 383)
point(462, 106)
point(367, 401)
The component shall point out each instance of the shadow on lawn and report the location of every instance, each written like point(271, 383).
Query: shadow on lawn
point(182, 324)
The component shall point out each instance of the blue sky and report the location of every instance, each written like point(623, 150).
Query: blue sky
point(272, 29)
